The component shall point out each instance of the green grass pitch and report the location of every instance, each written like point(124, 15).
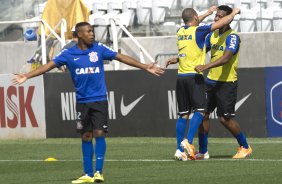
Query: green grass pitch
point(140, 161)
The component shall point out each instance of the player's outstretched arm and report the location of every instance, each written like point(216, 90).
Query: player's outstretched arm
point(225, 20)
point(171, 61)
point(209, 12)
point(21, 78)
point(151, 68)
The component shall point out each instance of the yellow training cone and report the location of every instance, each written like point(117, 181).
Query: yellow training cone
point(50, 159)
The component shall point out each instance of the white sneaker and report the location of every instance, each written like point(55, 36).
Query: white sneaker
point(200, 156)
point(181, 156)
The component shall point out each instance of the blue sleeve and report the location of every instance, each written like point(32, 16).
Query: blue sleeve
point(107, 53)
point(61, 59)
point(201, 34)
point(233, 43)
point(208, 43)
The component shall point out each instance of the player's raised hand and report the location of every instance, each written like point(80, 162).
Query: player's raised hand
point(236, 11)
point(212, 9)
point(19, 79)
point(152, 68)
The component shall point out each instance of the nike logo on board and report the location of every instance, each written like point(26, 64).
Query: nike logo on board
point(125, 109)
point(239, 103)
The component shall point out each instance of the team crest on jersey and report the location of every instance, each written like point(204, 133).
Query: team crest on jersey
point(93, 57)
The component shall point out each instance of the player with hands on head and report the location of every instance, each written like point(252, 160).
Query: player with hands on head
point(190, 85)
point(221, 85)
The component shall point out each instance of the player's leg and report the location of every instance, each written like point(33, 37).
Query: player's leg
point(87, 153)
point(85, 127)
point(100, 150)
point(203, 131)
point(203, 139)
point(226, 111)
point(100, 128)
point(181, 123)
point(198, 97)
point(233, 126)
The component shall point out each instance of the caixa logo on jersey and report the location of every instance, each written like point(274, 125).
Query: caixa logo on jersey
point(16, 107)
point(276, 103)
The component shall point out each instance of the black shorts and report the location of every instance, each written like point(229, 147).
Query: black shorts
point(190, 94)
point(93, 116)
point(223, 96)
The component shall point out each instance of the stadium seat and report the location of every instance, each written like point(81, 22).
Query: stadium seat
point(249, 4)
point(143, 11)
point(99, 8)
point(173, 4)
point(187, 3)
point(88, 3)
point(264, 20)
point(265, 16)
point(278, 2)
point(231, 3)
point(261, 3)
point(159, 9)
point(125, 21)
point(201, 5)
point(101, 26)
point(170, 28)
point(198, 5)
point(114, 7)
point(248, 20)
point(235, 23)
point(129, 7)
point(277, 20)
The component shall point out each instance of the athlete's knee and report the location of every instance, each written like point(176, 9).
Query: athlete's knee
point(226, 120)
point(206, 117)
point(98, 133)
point(185, 116)
point(87, 136)
point(204, 127)
point(223, 120)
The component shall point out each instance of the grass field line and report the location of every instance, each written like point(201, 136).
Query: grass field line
point(210, 142)
point(250, 142)
point(155, 160)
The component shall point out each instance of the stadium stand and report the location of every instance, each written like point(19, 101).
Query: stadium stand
point(145, 18)
point(156, 17)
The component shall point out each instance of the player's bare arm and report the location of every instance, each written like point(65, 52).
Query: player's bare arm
point(21, 78)
point(151, 68)
point(207, 13)
point(219, 62)
point(171, 61)
point(225, 20)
